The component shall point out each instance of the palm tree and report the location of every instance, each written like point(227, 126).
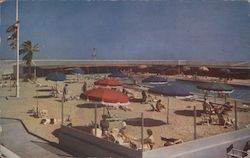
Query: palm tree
point(27, 50)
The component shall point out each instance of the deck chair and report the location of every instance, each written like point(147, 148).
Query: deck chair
point(234, 153)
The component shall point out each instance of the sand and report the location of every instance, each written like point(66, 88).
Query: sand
point(181, 121)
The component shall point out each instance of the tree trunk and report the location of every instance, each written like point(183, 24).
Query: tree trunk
point(29, 72)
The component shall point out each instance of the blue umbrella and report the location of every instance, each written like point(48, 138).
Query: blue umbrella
point(75, 70)
point(170, 90)
point(118, 75)
point(154, 79)
point(56, 76)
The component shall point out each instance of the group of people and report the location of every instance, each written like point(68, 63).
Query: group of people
point(222, 112)
point(65, 91)
point(121, 136)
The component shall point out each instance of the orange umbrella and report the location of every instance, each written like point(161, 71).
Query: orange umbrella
point(203, 68)
point(108, 82)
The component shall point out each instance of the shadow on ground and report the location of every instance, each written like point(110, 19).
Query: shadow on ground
point(148, 122)
point(188, 112)
point(43, 96)
point(44, 90)
point(90, 105)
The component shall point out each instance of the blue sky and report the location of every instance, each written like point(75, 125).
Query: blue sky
point(170, 29)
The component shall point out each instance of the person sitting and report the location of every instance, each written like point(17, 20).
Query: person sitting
point(223, 116)
point(123, 133)
point(98, 131)
point(104, 123)
point(227, 106)
point(150, 139)
point(159, 106)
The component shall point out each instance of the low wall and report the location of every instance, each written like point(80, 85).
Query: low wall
point(85, 144)
point(214, 146)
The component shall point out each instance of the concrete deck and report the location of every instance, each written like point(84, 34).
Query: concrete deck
point(15, 137)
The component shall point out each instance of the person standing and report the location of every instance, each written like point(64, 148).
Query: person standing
point(65, 92)
point(144, 96)
point(84, 87)
point(104, 123)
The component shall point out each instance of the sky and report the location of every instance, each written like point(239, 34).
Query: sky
point(143, 30)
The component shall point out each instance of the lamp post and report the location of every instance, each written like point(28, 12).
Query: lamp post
point(1, 1)
point(17, 54)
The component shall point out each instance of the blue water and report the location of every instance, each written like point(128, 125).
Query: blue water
point(240, 92)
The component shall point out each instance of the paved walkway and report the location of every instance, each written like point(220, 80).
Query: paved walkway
point(15, 138)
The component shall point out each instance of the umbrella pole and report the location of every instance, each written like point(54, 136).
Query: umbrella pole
point(62, 109)
point(56, 88)
point(168, 112)
point(103, 111)
point(195, 115)
point(214, 98)
point(235, 116)
point(95, 117)
point(142, 126)
point(37, 104)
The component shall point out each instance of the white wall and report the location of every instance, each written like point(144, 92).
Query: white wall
point(211, 147)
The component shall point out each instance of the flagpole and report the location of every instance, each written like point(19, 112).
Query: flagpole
point(17, 54)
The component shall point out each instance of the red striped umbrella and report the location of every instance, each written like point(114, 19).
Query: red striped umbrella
point(108, 82)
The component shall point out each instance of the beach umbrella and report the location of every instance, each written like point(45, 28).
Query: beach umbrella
point(142, 66)
point(203, 68)
point(225, 71)
point(105, 96)
point(154, 80)
point(169, 90)
point(75, 70)
point(118, 75)
point(216, 87)
point(56, 76)
point(108, 82)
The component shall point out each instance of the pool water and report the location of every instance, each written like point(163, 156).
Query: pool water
point(240, 92)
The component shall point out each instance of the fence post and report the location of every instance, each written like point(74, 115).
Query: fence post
point(235, 115)
point(95, 117)
point(168, 112)
point(142, 126)
point(195, 114)
point(62, 108)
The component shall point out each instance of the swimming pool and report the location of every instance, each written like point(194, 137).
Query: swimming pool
point(240, 92)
